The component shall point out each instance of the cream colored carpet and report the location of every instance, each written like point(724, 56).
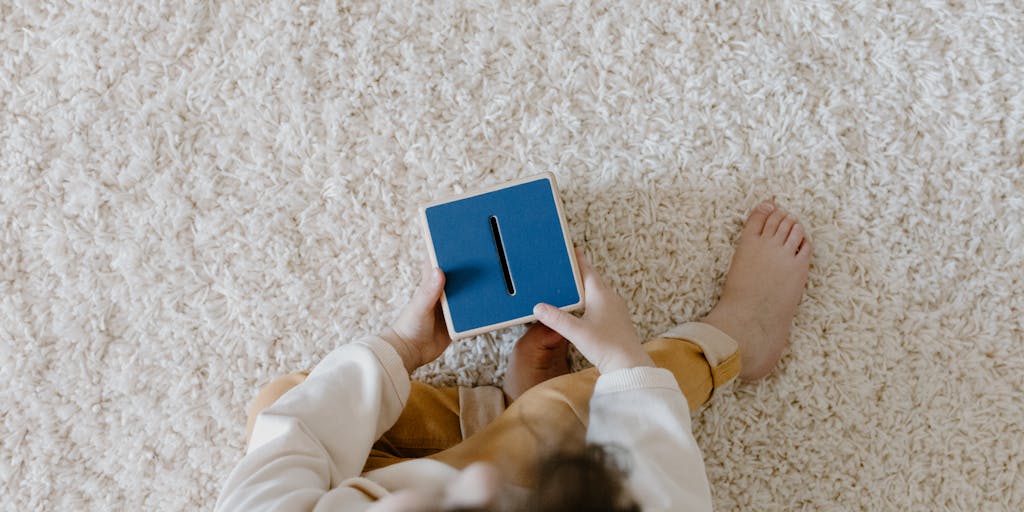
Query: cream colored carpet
point(196, 197)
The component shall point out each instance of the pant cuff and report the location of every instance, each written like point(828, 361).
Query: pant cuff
point(720, 350)
point(479, 406)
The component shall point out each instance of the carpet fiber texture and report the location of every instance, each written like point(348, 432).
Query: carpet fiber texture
point(196, 197)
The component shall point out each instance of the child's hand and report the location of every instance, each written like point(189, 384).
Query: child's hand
point(419, 335)
point(605, 334)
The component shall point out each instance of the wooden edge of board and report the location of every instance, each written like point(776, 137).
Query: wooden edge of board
point(508, 184)
point(570, 249)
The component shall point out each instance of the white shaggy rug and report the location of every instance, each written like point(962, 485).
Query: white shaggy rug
point(196, 197)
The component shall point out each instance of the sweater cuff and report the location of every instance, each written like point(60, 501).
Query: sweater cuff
point(640, 377)
point(392, 364)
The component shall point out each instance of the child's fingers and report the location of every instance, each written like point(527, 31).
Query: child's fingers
point(582, 260)
point(595, 289)
point(570, 327)
point(429, 290)
point(587, 272)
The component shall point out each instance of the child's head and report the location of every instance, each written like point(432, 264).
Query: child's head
point(589, 480)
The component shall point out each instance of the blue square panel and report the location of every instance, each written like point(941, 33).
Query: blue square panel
point(502, 251)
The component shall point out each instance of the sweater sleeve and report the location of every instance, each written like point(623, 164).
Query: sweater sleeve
point(642, 411)
point(320, 433)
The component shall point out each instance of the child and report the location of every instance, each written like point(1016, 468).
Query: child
point(356, 434)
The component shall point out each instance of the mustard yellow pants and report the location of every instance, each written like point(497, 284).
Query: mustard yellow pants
point(447, 423)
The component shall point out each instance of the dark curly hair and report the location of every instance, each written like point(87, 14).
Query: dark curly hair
point(591, 480)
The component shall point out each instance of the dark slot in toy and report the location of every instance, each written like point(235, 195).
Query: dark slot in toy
point(496, 232)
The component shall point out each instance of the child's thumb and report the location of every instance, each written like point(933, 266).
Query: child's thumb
point(570, 327)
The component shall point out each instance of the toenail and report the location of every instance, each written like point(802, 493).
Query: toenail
point(766, 207)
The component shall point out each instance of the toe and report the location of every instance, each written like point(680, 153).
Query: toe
point(785, 227)
point(796, 235)
point(757, 218)
point(772, 224)
point(550, 339)
point(805, 250)
point(539, 336)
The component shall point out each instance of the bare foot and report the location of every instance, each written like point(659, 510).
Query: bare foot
point(763, 287)
point(540, 354)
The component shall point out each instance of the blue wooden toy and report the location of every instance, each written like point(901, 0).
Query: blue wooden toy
point(502, 250)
